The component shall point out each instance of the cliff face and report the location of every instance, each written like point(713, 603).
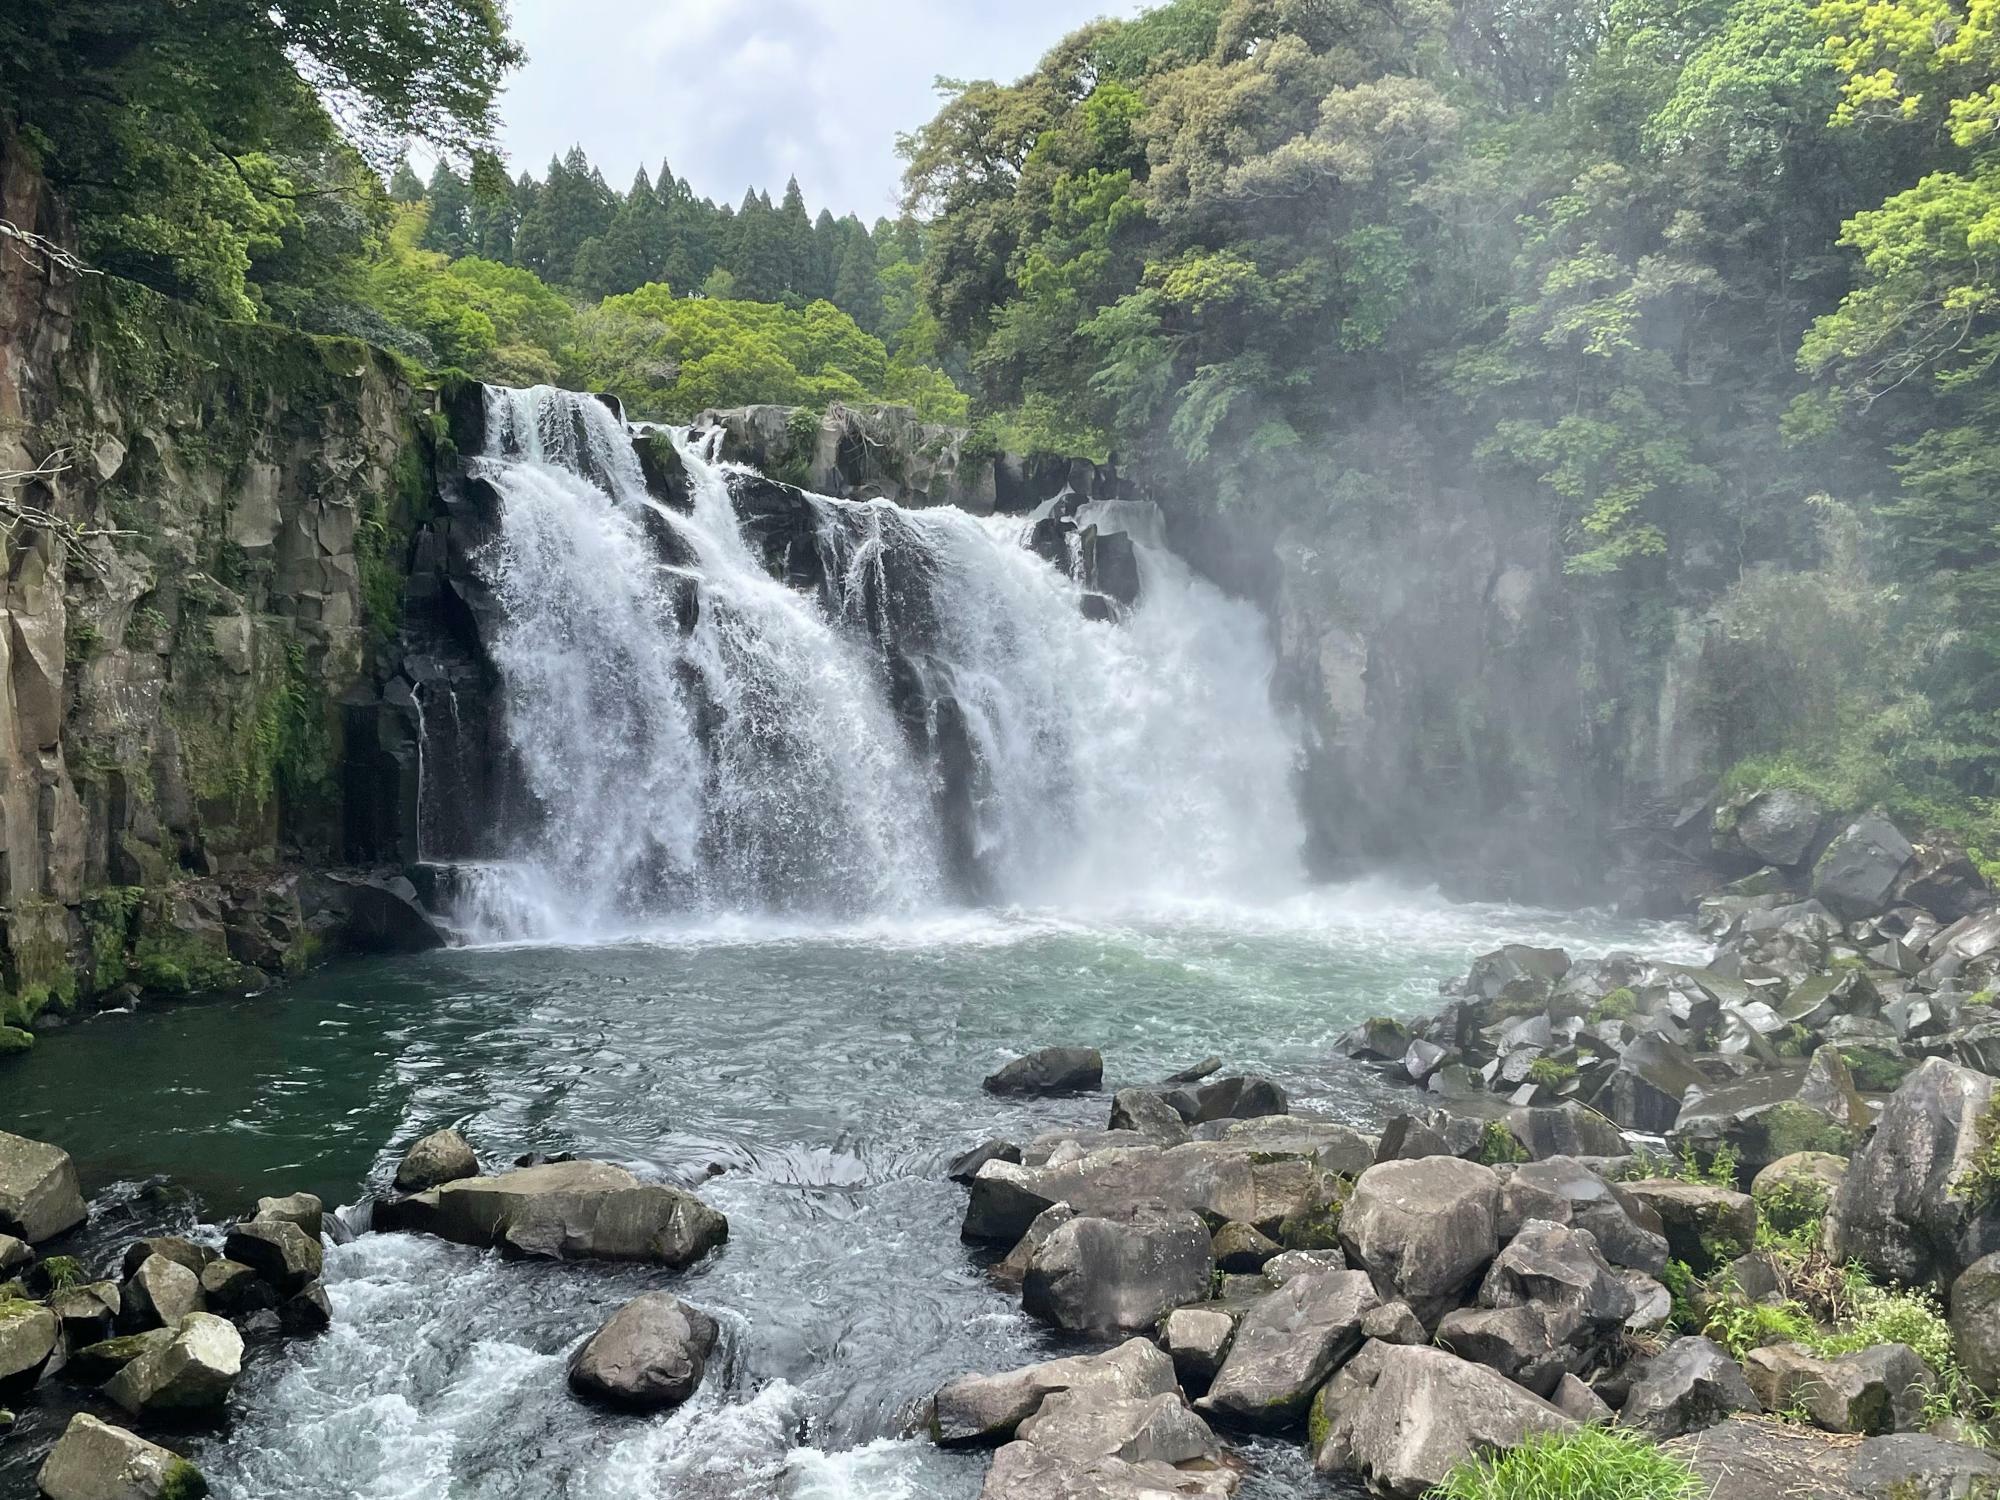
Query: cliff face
point(221, 507)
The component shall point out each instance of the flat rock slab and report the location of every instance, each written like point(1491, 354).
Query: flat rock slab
point(571, 1210)
point(1748, 1458)
point(975, 1409)
point(1052, 1070)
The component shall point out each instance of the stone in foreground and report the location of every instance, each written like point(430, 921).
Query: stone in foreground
point(440, 1157)
point(279, 1251)
point(1423, 1229)
point(28, 1333)
point(1401, 1416)
point(192, 1371)
point(1052, 1070)
point(570, 1210)
point(650, 1355)
point(39, 1197)
point(1119, 1275)
point(93, 1460)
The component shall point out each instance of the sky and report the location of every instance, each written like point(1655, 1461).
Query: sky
point(741, 93)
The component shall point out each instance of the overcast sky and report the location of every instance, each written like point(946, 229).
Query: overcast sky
point(737, 93)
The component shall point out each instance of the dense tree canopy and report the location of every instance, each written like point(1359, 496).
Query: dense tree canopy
point(1674, 266)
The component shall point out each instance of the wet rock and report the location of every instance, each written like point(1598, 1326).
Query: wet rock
point(1147, 1112)
point(278, 1251)
point(1401, 1417)
point(160, 1293)
point(1197, 1339)
point(1030, 1471)
point(1103, 1275)
point(1897, 1211)
point(1779, 826)
point(576, 1210)
point(1052, 1070)
point(440, 1157)
point(1243, 1097)
point(650, 1355)
point(182, 1252)
point(93, 1460)
point(94, 1364)
point(39, 1197)
point(1240, 1248)
point(965, 1166)
point(306, 1312)
point(1516, 972)
point(1944, 881)
point(1323, 1143)
point(1219, 1180)
point(192, 1371)
point(229, 1286)
point(301, 1209)
point(1705, 1226)
point(1377, 1039)
point(1564, 1130)
point(1689, 1385)
point(1280, 1269)
point(1013, 1269)
point(976, 1409)
point(88, 1313)
point(28, 1335)
point(1203, 1069)
point(1423, 1230)
point(1858, 873)
point(1286, 1345)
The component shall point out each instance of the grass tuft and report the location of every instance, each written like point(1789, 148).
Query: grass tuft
point(1590, 1463)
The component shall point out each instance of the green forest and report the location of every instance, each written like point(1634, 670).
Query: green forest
point(1717, 282)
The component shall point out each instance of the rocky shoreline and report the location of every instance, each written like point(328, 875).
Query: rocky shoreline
point(1745, 1215)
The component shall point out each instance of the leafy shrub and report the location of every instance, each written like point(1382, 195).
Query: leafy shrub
point(1497, 1144)
point(1589, 1463)
point(1620, 1005)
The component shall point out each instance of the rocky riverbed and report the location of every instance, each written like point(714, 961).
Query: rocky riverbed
point(1741, 1209)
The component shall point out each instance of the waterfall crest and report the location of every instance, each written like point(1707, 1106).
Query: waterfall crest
point(763, 702)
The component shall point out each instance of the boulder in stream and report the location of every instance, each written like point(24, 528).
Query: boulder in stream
point(440, 1157)
point(1052, 1070)
point(1119, 1274)
point(650, 1355)
point(39, 1197)
point(571, 1210)
point(93, 1460)
point(192, 1371)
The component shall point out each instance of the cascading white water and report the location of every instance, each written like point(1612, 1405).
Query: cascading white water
point(756, 762)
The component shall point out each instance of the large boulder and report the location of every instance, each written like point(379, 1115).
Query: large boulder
point(1797, 1189)
point(87, 1311)
point(1879, 1389)
point(301, 1209)
point(1402, 1416)
point(278, 1250)
point(650, 1355)
point(1644, 1090)
point(39, 1197)
point(1776, 1113)
point(1118, 1275)
point(192, 1371)
point(93, 1460)
point(28, 1333)
point(570, 1210)
point(1197, 1339)
point(985, 1409)
point(1220, 1180)
point(1562, 1276)
point(1423, 1229)
point(1689, 1385)
point(1857, 875)
point(1514, 1341)
point(1917, 1466)
point(1900, 1210)
point(1032, 1471)
point(1706, 1226)
point(1975, 1322)
point(1779, 826)
point(440, 1157)
point(1052, 1070)
point(159, 1294)
point(1287, 1345)
point(1563, 1190)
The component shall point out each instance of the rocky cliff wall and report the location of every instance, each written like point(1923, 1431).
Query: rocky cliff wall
point(195, 574)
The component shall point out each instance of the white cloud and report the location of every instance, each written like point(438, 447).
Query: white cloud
point(742, 93)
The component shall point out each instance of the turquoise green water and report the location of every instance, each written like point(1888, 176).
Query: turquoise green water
point(812, 1085)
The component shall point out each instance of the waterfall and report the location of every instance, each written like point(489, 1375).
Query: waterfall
point(918, 713)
